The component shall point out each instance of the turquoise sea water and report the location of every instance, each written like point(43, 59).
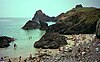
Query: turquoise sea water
point(12, 27)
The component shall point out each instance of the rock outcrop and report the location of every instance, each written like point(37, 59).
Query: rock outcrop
point(50, 40)
point(35, 23)
point(4, 41)
point(43, 25)
point(79, 6)
point(98, 29)
point(78, 20)
point(31, 25)
point(39, 15)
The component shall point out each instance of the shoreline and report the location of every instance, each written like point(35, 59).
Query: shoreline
point(55, 51)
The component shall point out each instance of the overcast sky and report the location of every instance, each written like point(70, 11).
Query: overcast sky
point(27, 8)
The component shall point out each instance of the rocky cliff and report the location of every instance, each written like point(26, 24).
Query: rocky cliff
point(31, 25)
point(78, 20)
point(39, 15)
point(43, 25)
point(36, 21)
point(98, 29)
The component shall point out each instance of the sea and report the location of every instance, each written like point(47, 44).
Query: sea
point(11, 27)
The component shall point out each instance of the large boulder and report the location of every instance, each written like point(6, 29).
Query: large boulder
point(78, 20)
point(4, 41)
point(98, 29)
point(31, 25)
point(50, 40)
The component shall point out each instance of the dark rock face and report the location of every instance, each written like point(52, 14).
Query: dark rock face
point(38, 20)
point(4, 41)
point(39, 15)
point(76, 21)
point(60, 17)
point(43, 25)
point(31, 25)
point(79, 6)
point(98, 29)
point(50, 40)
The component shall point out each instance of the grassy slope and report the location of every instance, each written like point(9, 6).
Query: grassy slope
point(78, 20)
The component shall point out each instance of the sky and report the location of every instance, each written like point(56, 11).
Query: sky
point(27, 8)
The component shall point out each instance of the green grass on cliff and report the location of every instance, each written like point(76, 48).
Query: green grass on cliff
point(84, 9)
point(90, 14)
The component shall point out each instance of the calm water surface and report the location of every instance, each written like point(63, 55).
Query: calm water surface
point(12, 27)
